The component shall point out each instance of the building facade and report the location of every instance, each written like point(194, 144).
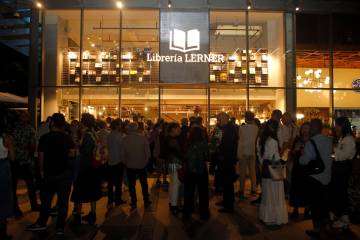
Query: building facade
point(172, 59)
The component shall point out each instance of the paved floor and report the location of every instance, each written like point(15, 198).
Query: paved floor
point(156, 223)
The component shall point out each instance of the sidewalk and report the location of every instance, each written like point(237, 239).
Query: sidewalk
point(156, 223)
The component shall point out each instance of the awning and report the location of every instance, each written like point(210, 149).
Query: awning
point(12, 98)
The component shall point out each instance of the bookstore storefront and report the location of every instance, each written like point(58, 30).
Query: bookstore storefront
point(174, 63)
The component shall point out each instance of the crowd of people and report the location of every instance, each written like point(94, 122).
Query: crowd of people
point(304, 165)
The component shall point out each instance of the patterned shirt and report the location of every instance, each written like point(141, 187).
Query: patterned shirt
point(24, 137)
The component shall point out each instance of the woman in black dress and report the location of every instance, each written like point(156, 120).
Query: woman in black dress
point(87, 187)
point(298, 177)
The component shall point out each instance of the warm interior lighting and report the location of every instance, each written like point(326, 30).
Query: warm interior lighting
point(119, 4)
point(169, 4)
point(300, 116)
point(297, 9)
point(39, 5)
point(249, 7)
point(72, 55)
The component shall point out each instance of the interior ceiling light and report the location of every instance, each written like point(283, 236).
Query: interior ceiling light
point(119, 4)
point(169, 4)
point(39, 5)
point(237, 30)
point(297, 8)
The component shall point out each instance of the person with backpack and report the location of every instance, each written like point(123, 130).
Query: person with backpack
point(87, 187)
point(196, 173)
point(317, 162)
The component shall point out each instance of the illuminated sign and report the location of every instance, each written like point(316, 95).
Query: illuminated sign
point(185, 42)
point(184, 55)
point(186, 58)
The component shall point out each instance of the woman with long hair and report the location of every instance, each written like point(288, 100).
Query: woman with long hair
point(297, 175)
point(196, 173)
point(273, 210)
point(87, 187)
point(345, 150)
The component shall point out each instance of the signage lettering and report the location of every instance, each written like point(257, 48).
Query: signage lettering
point(186, 58)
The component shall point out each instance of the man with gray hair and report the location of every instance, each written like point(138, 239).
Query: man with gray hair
point(136, 157)
point(226, 160)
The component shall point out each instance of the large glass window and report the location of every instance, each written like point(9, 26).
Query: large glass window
point(228, 37)
point(266, 49)
point(230, 100)
point(139, 102)
point(315, 104)
point(61, 48)
point(346, 50)
point(313, 66)
point(312, 51)
point(100, 57)
point(140, 35)
point(178, 103)
point(264, 101)
point(102, 102)
point(65, 100)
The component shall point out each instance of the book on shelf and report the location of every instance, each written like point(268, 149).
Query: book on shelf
point(252, 70)
point(236, 80)
point(98, 65)
point(258, 79)
point(264, 71)
point(140, 79)
point(216, 68)
point(232, 71)
point(98, 79)
point(212, 78)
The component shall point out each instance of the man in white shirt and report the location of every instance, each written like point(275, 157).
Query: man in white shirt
point(246, 152)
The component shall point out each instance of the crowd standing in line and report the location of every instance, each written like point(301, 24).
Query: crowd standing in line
point(314, 171)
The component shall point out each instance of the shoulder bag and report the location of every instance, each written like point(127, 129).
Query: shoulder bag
point(315, 166)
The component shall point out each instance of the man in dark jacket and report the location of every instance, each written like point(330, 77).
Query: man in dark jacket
point(227, 151)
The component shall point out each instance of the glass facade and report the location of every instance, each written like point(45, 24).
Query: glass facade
point(95, 60)
point(328, 66)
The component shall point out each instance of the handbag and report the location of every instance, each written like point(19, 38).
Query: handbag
point(315, 166)
point(277, 171)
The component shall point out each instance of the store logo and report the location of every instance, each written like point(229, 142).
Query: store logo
point(184, 41)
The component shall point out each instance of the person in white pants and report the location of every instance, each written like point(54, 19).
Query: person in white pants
point(174, 157)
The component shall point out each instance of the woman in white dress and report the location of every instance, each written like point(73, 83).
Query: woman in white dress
point(273, 209)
